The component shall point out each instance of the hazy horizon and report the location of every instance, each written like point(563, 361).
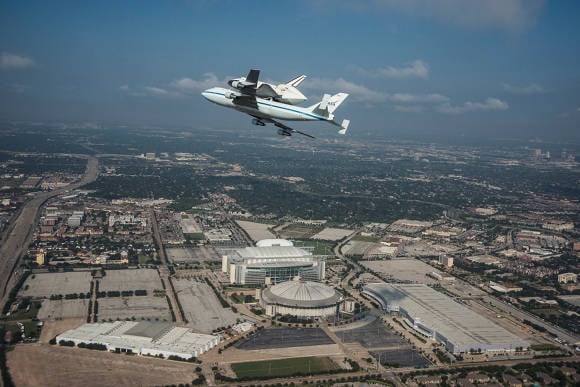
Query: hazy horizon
point(413, 68)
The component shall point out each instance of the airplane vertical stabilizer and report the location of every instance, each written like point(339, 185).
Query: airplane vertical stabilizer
point(328, 104)
point(335, 101)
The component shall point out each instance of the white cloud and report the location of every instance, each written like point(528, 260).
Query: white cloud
point(409, 109)
point(511, 15)
point(415, 69)
point(418, 98)
point(14, 62)
point(150, 91)
point(156, 90)
point(488, 104)
point(364, 94)
point(188, 84)
point(359, 92)
point(525, 90)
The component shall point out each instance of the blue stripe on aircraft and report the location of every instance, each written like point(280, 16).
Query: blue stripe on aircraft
point(277, 107)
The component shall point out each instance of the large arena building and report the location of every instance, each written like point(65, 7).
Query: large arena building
point(143, 338)
point(301, 299)
point(439, 317)
point(272, 261)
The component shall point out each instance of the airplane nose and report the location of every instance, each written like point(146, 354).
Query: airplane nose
point(205, 94)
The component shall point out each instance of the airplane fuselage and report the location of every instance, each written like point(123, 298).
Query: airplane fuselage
point(263, 108)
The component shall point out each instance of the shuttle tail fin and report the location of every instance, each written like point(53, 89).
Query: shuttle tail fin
point(296, 81)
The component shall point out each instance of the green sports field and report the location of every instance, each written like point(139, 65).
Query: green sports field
point(283, 367)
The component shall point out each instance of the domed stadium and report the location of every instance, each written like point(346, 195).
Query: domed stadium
point(301, 299)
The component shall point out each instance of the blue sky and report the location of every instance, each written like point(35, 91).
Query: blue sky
point(500, 67)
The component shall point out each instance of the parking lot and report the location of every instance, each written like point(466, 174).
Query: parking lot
point(121, 308)
point(256, 231)
point(201, 308)
point(192, 254)
point(146, 279)
point(43, 285)
point(62, 309)
point(400, 358)
point(383, 344)
point(411, 270)
point(285, 337)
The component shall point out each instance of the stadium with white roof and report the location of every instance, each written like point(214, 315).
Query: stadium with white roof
point(272, 261)
point(301, 299)
point(439, 317)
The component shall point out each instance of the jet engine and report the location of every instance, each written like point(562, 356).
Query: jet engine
point(236, 84)
point(229, 95)
point(258, 122)
point(283, 132)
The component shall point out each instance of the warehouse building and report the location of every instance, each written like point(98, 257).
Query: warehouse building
point(143, 338)
point(301, 299)
point(272, 261)
point(439, 317)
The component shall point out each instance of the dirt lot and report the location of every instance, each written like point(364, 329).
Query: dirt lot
point(52, 329)
point(60, 366)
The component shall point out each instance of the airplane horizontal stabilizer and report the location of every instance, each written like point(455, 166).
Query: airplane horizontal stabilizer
point(344, 126)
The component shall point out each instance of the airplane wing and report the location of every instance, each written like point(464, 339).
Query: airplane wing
point(249, 84)
point(286, 128)
point(246, 100)
point(265, 91)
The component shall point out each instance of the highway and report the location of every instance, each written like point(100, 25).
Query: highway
point(22, 230)
point(523, 315)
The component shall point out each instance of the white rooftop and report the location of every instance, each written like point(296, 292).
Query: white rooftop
point(460, 325)
point(274, 242)
point(272, 252)
point(143, 337)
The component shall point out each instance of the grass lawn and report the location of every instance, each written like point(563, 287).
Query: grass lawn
point(195, 236)
point(298, 230)
point(283, 367)
point(364, 238)
point(547, 312)
point(143, 258)
point(320, 247)
point(544, 347)
point(23, 314)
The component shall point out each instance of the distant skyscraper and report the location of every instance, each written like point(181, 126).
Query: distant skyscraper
point(40, 257)
point(446, 261)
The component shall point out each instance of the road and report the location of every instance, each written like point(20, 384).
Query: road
point(523, 315)
point(19, 238)
point(164, 271)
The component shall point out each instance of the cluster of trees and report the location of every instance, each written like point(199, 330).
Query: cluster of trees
point(70, 296)
point(6, 378)
point(124, 293)
point(14, 292)
point(222, 300)
point(95, 346)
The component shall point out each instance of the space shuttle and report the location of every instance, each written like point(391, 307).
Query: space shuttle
point(283, 92)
